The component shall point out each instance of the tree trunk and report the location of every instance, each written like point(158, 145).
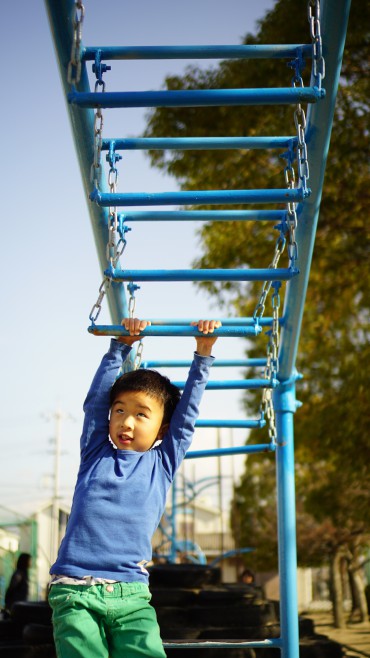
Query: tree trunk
point(359, 604)
point(337, 589)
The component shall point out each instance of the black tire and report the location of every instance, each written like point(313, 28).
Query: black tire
point(250, 615)
point(173, 596)
point(9, 630)
point(38, 634)
point(187, 576)
point(31, 612)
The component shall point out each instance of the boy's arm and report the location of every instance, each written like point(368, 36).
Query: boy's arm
point(96, 406)
point(181, 430)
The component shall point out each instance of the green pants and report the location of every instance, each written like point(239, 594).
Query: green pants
point(105, 621)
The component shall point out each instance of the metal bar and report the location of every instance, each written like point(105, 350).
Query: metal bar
point(226, 332)
point(237, 450)
point(203, 215)
point(197, 52)
point(285, 406)
point(199, 197)
point(234, 424)
point(226, 322)
point(319, 124)
point(197, 143)
point(60, 15)
point(211, 644)
point(236, 384)
point(267, 274)
point(196, 97)
point(223, 363)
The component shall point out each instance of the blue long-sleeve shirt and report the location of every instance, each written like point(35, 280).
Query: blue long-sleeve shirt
point(120, 495)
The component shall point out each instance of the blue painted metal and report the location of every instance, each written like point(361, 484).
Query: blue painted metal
point(60, 16)
point(236, 450)
point(226, 322)
point(118, 330)
point(196, 98)
point(236, 384)
point(198, 52)
point(209, 644)
point(284, 404)
point(203, 215)
point(195, 143)
point(220, 363)
point(269, 274)
point(319, 124)
point(236, 424)
point(201, 197)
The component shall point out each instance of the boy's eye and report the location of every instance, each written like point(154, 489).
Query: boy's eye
point(142, 414)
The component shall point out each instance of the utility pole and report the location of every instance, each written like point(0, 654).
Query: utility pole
point(54, 541)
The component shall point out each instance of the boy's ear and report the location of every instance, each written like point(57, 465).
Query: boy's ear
point(162, 431)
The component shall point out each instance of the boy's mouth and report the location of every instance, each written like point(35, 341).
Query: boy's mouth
point(125, 439)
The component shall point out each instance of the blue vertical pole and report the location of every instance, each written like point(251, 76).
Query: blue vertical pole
point(173, 522)
point(285, 406)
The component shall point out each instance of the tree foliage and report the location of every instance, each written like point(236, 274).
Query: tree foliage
point(332, 428)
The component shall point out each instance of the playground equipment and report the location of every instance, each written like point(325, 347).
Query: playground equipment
point(305, 152)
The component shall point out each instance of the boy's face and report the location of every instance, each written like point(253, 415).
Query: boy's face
point(135, 421)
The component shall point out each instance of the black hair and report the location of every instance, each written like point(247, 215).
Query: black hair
point(23, 561)
point(153, 384)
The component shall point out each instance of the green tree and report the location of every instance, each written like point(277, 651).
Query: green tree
point(332, 428)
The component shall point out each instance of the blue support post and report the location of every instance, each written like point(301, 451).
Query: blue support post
point(285, 407)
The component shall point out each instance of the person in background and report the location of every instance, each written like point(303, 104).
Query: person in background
point(18, 586)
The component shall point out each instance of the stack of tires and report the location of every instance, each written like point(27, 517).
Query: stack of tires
point(192, 604)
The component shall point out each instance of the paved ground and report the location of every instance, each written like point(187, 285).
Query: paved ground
point(355, 638)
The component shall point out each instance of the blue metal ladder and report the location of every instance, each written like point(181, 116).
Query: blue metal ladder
point(81, 104)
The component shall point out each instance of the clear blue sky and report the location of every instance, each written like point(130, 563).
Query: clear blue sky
point(50, 273)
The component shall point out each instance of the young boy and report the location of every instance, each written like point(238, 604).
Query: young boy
point(99, 587)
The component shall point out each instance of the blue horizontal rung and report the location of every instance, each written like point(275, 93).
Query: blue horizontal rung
point(196, 97)
point(236, 384)
point(197, 52)
point(235, 424)
point(227, 332)
point(223, 363)
point(237, 450)
point(226, 322)
point(197, 143)
point(201, 197)
point(267, 274)
point(203, 215)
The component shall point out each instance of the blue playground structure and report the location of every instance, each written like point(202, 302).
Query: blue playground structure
point(111, 213)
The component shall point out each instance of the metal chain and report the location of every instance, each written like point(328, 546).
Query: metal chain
point(105, 285)
point(132, 287)
point(96, 170)
point(318, 61)
point(272, 365)
point(74, 65)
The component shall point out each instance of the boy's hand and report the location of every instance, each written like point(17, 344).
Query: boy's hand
point(205, 342)
point(134, 326)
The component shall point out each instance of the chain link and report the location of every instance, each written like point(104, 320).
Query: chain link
point(105, 285)
point(74, 65)
point(318, 61)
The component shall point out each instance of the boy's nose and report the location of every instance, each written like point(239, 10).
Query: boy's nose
point(128, 422)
